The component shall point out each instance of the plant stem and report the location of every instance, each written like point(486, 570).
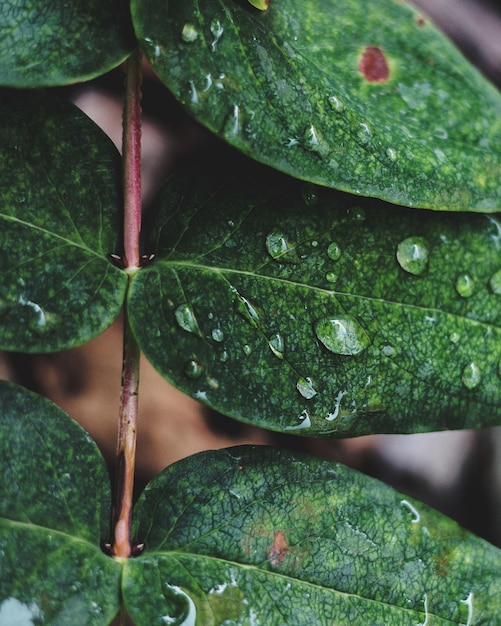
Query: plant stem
point(127, 432)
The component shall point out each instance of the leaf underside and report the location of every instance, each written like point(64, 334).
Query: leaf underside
point(59, 219)
point(59, 42)
point(303, 310)
point(54, 507)
point(365, 97)
point(260, 536)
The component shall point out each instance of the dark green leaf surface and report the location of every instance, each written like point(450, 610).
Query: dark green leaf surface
point(54, 511)
point(362, 96)
point(298, 309)
point(256, 536)
point(54, 42)
point(59, 218)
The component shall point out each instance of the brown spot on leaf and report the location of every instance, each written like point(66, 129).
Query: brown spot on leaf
point(373, 65)
point(421, 22)
point(279, 548)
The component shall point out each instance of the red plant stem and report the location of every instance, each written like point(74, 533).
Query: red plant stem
point(131, 147)
point(127, 432)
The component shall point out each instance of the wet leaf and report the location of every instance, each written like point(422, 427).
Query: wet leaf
point(59, 219)
point(365, 97)
point(57, 42)
point(54, 511)
point(262, 536)
point(304, 310)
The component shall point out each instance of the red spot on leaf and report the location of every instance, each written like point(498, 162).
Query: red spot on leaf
point(373, 65)
point(279, 548)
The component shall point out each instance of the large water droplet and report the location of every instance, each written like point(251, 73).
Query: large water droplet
point(304, 422)
point(245, 308)
point(218, 335)
point(495, 283)
point(189, 33)
point(471, 376)
point(186, 319)
point(193, 369)
point(305, 388)
point(342, 335)
point(280, 248)
point(277, 345)
point(334, 251)
point(412, 255)
point(465, 285)
point(331, 277)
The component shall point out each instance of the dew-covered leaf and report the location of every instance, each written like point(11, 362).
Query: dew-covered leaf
point(367, 97)
point(301, 309)
point(260, 536)
point(54, 512)
point(60, 203)
point(55, 42)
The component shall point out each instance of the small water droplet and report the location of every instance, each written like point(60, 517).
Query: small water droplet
point(186, 319)
point(309, 193)
point(388, 350)
point(277, 345)
point(365, 134)
point(305, 388)
point(247, 349)
point(337, 104)
point(312, 140)
point(331, 277)
point(314, 244)
point(280, 248)
point(495, 283)
point(189, 33)
point(471, 376)
point(217, 30)
point(412, 255)
point(217, 335)
point(224, 355)
point(465, 285)
point(193, 369)
point(454, 337)
point(356, 214)
point(391, 153)
point(334, 251)
point(342, 335)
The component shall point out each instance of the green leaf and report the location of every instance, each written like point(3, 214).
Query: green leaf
point(54, 508)
point(300, 309)
point(261, 536)
point(60, 203)
point(366, 97)
point(55, 42)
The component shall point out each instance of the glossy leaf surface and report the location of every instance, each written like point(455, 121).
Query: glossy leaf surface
point(260, 536)
point(54, 512)
point(44, 43)
point(299, 309)
point(366, 97)
point(60, 203)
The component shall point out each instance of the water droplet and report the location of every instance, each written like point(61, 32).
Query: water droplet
point(189, 33)
point(495, 283)
point(471, 376)
point(465, 285)
point(217, 30)
point(412, 255)
point(277, 345)
point(304, 422)
point(247, 349)
point(334, 251)
point(356, 214)
point(218, 335)
point(224, 355)
point(313, 141)
point(331, 277)
point(186, 319)
point(454, 337)
point(232, 124)
point(305, 388)
point(247, 310)
point(193, 369)
point(365, 134)
point(280, 248)
point(314, 244)
point(309, 193)
point(337, 104)
point(342, 335)
point(213, 383)
point(388, 350)
point(391, 153)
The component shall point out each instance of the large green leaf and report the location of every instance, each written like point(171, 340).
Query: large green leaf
point(54, 512)
point(298, 309)
point(60, 203)
point(55, 42)
point(256, 536)
point(362, 96)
